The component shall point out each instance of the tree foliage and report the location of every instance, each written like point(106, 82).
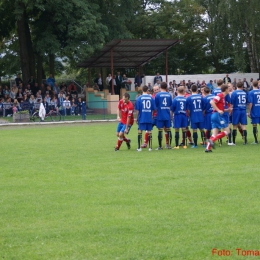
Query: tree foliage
point(40, 36)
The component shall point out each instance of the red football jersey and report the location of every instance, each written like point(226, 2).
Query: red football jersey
point(127, 110)
point(219, 101)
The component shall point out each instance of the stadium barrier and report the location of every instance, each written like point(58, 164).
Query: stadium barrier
point(95, 110)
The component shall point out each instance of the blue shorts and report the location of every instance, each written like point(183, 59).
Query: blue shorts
point(121, 128)
point(239, 116)
point(163, 123)
point(180, 121)
point(207, 121)
point(197, 125)
point(255, 120)
point(218, 121)
point(226, 117)
point(146, 127)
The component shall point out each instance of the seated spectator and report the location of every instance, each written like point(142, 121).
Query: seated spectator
point(38, 96)
point(37, 104)
point(32, 102)
point(6, 90)
point(56, 89)
point(7, 107)
point(67, 106)
point(12, 94)
point(16, 106)
point(53, 105)
point(48, 98)
point(72, 88)
point(1, 91)
point(19, 95)
point(73, 107)
point(1, 106)
point(63, 86)
point(25, 104)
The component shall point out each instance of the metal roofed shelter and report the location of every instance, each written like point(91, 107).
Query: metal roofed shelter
point(129, 53)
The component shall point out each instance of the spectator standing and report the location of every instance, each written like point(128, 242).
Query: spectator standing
point(210, 85)
point(99, 82)
point(138, 80)
point(157, 79)
point(108, 78)
point(118, 83)
point(18, 80)
point(227, 79)
point(50, 80)
point(31, 81)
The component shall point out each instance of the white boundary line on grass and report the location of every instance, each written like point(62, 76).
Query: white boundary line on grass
point(59, 122)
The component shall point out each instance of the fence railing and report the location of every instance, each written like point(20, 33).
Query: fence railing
point(96, 110)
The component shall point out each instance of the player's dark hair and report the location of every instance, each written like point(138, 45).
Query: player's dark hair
point(239, 84)
point(145, 88)
point(224, 87)
point(255, 83)
point(164, 85)
point(127, 95)
point(194, 88)
point(220, 82)
point(206, 90)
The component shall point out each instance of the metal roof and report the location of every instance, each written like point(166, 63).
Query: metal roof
point(128, 53)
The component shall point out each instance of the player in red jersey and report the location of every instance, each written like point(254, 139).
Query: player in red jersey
point(218, 121)
point(125, 115)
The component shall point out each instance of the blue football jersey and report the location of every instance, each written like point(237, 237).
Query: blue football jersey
point(254, 99)
point(195, 105)
point(163, 103)
point(239, 100)
point(207, 106)
point(179, 105)
point(145, 105)
point(216, 91)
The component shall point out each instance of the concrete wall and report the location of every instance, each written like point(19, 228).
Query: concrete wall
point(206, 77)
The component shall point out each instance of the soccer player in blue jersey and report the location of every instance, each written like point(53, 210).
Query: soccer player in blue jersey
point(179, 107)
point(254, 108)
point(217, 90)
point(144, 107)
point(239, 103)
point(163, 102)
point(195, 106)
point(208, 110)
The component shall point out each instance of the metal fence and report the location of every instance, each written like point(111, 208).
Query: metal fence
point(97, 110)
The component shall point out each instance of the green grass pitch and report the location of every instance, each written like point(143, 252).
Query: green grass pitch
point(65, 194)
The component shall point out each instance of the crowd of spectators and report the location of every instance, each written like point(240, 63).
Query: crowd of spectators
point(29, 95)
